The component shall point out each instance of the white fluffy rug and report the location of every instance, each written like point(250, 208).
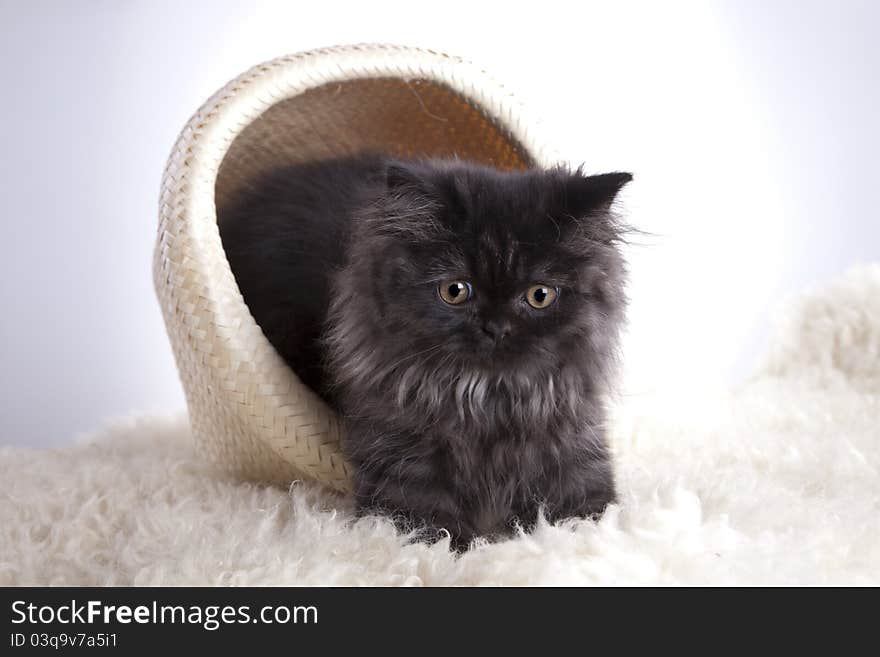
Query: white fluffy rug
point(776, 483)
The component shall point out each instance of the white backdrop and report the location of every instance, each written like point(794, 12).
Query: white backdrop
point(751, 127)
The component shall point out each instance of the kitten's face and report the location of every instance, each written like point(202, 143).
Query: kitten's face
point(502, 273)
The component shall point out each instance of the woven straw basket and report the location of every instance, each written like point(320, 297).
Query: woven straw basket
point(248, 410)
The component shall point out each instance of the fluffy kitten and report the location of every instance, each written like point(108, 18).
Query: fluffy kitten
point(462, 319)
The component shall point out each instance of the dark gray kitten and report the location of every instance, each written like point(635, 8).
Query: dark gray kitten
point(462, 319)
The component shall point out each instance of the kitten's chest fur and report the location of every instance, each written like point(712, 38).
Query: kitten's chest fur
point(491, 467)
point(510, 461)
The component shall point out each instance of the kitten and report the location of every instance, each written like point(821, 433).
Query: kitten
point(463, 320)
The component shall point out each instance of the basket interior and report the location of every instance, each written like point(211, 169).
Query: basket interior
point(404, 118)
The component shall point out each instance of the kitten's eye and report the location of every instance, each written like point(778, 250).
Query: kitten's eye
point(455, 292)
point(541, 296)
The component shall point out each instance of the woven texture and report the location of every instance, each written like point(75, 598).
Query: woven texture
point(249, 411)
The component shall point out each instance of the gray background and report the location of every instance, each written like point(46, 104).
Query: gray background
point(751, 127)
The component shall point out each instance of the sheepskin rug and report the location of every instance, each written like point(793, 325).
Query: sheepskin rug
point(777, 482)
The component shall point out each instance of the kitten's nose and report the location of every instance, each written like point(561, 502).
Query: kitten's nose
point(497, 329)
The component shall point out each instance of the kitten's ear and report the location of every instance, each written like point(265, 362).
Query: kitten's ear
point(401, 177)
point(593, 195)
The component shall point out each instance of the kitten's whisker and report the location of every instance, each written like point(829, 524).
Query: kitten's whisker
point(410, 356)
